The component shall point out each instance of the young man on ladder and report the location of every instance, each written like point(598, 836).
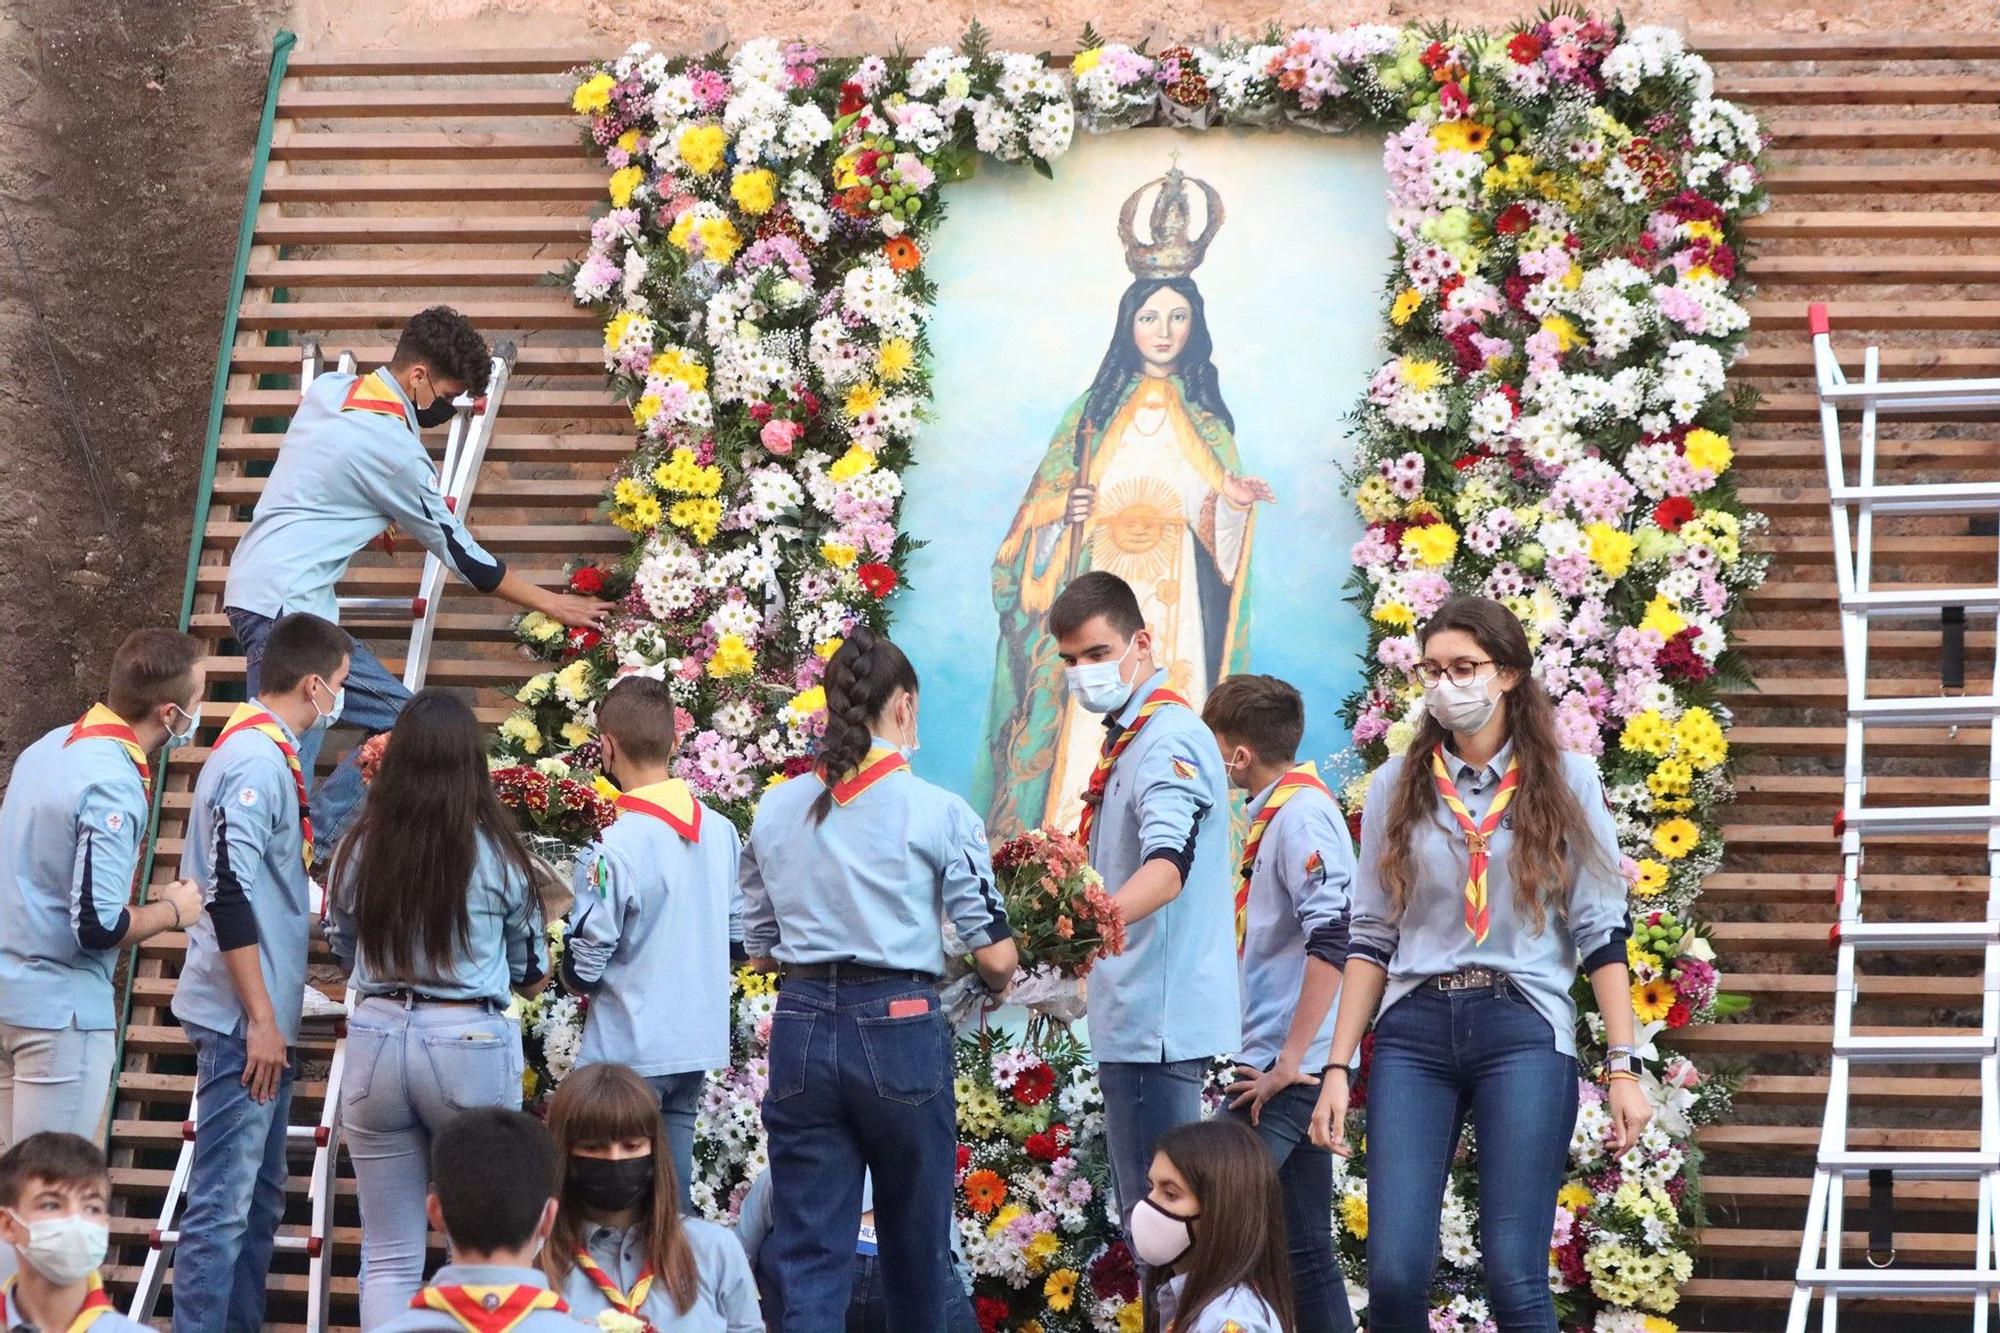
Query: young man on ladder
point(352, 463)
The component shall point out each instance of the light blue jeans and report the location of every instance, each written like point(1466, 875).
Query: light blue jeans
point(53, 1078)
point(410, 1069)
point(1143, 1100)
point(235, 1192)
point(680, 1101)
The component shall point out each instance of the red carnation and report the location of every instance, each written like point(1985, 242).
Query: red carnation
point(1679, 661)
point(1524, 48)
point(851, 99)
point(1114, 1275)
point(1434, 55)
point(1512, 221)
point(1050, 1144)
point(990, 1313)
point(1453, 102)
point(1678, 1016)
point(1033, 1085)
point(964, 1157)
point(1673, 511)
point(877, 578)
point(583, 638)
point(588, 581)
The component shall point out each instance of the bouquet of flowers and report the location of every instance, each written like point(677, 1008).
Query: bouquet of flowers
point(551, 1028)
point(553, 804)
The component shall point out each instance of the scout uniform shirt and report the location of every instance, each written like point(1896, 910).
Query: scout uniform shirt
point(1301, 866)
point(1433, 937)
point(477, 1298)
point(502, 950)
point(71, 830)
point(656, 903)
point(870, 884)
point(1238, 1310)
point(98, 1314)
point(246, 848)
point(351, 464)
point(619, 1277)
point(1172, 995)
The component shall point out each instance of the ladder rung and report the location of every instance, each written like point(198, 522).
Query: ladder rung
point(1913, 1165)
point(1920, 498)
point(385, 608)
point(1943, 709)
point(1918, 935)
point(1914, 1050)
point(1910, 395)
point(1920, 601)
point(162, 1239)
point(1901, 1281)
point(1923, 819)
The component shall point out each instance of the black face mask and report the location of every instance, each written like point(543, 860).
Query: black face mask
point(439, 412)
point(605, 1186)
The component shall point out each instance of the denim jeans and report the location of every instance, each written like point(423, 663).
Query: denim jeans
point(868, 1309)
point(235, 1191)
point(1442, 1058)
point(680, 1099)
point(373, 701)
point(53, 1078)
point(410, 1069)
point(1305, 1179)
point(852, 1087)
point(1141, 1102)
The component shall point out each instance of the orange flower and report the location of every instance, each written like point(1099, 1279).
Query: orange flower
point(984, 1190)
point(903, 254)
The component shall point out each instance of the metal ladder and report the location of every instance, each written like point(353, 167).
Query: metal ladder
point(1823, 1268)
point(470, 431)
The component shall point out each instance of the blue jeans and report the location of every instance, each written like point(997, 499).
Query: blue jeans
point(868, 1311)
point(1141, 1102)
point(680, 1099)
point(373, 701)
point(1440, 1059)
point(852, 1087)
point(235, 1192)
point(410, 1069)
point(1305, 1179)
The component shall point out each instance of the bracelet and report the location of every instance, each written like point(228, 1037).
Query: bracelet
point(174, 907)
point(1332, 1069)
point(1621, 1050)
point(1622, 1073)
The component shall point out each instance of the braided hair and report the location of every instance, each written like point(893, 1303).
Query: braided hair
point(860, 680)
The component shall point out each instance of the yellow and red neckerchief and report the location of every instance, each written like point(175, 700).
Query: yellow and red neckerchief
point(374, 392)
point(1478, 913)
point(880, 762)
point(624, 1302)
point(488, 1309)
point(1298, 779)
point(96, 1304)
point(1093, 795)
point(100, 723)
point(670, 802)
point(249, 717)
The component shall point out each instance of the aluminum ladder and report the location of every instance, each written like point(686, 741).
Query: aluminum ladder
point(1824, 1270)
point(470, 431)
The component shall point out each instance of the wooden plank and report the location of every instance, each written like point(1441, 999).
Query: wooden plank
point(1858, 225)
point(1794, 357)
point(1914, 177)
point(1797, 90)
point(421, 104)
point(1846, 314)
point(1879, 267)
point(497, 271)
point(292, 144)
point(368, 187)
point(435, 60)
point(552, 538)
point(570, 228)
point(1748, 47)
point(534, 359)
point(552, 312)
point(1828, 133)
point(594, 403)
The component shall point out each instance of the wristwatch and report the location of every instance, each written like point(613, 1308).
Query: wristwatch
point(1621, 1061)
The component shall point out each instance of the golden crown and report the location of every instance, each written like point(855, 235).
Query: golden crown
point(1170, 253)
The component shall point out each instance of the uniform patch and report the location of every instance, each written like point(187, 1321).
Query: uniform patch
point(1315, 865)
point(979, 833)
point(248, 796)
point(600, 877)
point(114, 821)
point(1183, 768)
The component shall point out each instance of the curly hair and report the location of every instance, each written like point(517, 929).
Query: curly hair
point(445, 340)
point(860, 680)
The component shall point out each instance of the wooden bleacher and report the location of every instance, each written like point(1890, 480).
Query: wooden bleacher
point(401, 179)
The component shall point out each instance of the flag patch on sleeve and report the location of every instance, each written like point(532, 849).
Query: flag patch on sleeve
point(600, 877)
point(1315, 865)
point(1183, 768)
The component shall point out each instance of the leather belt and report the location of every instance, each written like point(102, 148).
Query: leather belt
point(1470, 978)
point(848, 971)
point(410, 999)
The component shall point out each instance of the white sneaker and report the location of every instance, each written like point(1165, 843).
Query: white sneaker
point(320, 1007)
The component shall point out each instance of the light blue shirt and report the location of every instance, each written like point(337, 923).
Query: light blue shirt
point(649, 937)
point(1237, 1310)
point(504, 946)
point(1298, 908)
point(1431, 938)
point(71, 829)
point(725, 1298)
point(871, 883)
point(344, 474)
point(245, 849)
point(13, 1319)
point(482, 1275)
point(1172, 995)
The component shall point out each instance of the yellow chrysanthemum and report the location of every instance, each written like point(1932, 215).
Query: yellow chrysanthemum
point(894, 358)
point(619, 325)
point(1698, 738)
point(1647, 733)
point(1701, 231)
point(826, 648)
point(1060, 1289)
point(1395, 614)
point(1460, 136)
point(1708, 451)
point(1652, 999)
point(1132, 1319)
point(732, 658)
point(854, 463)
point(629, 141)
point(1655, 1324)
point(1432, 545)
point(646, 513)
point(645, 409)
point(1085, 61)
point(1041, 1247)
point(623, 181)
point(1567, 338)
point(1420, 374)
point(1652, 878)
point(808, 703)
point(1675, 838)
point(1661, 615)
point(1407, 303)
point(592, 95)
point(1673, 777)
point(701, 147)
point(603, 787)
point(677, 363)
point(862, 398)
point(754, 191)
point(1354, 1215)
point(576, 733)
point(839, 554)
point(1610, 549)
point(1574, 1197)
point(1375, 500)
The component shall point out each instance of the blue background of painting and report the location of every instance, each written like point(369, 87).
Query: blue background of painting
point(1029, 273)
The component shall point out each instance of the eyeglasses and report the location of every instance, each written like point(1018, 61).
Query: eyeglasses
point(1462, 672)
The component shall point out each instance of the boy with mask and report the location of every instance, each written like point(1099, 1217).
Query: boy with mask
point(250, 842)
point(352, 463)
point(55, 1197)
point(657, 908)
point(72, 831)
point(1156, 824)
point(495, 1223)
point(1292, 907)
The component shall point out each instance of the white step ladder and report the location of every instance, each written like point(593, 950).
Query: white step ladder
point(471, 430)
point(1824, 1270)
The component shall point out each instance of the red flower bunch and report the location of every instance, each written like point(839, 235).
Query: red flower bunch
point(1679, 1016)
point(1513, 220)
point(1061, 915)
point(879, 579)
point(587, 581)
point(582, 639)
point(991, 1313)
point(1524, 48)
point(851, 99)
point(1050, 1143)
point(368, 759)
point(1673, 511)
point(1033, 1085)
point(1113, 1275)
point(555, 807)
point(1678, 660)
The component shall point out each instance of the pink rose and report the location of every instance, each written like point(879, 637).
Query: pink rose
point(780, 434)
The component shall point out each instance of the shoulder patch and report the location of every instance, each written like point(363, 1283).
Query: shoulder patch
point(600, 876)
point(1183, 768)
point(248, 796)
point(1316, 865)
point(115, 820)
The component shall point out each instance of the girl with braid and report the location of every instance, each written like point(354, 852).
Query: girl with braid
point(847, 875)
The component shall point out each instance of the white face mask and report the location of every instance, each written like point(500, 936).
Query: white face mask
point(1100, 687)
point(1159, 1237)
point(64, 1249)
point(1461, 708)
point(176, 739)
point(322, 720)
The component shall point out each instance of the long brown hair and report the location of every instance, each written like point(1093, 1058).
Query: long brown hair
point(862, 677)
point(1239, 1238)
point(1548, 824)
point(418, 842)
point(604, 1103)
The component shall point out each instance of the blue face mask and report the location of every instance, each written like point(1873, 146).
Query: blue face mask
point(322, 720)
point(176, 739)
point(1101, 687)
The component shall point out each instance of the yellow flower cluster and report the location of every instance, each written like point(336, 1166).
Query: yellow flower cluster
point(1652, 878)
point(1675, 838)
point(894, 358)
point(633, 507)
point(1407, 303)
point(702, 146)
point(1653, 1000)
point(804, 706)
point(715, 237)
point(619, 325)
point(592, 95)
point(1354, 1215)
point(754, 191)
point(1420, 374)
point(854, 463)
point(1060, 1289)
point(732, 658)
point(678, 363)
point(1610, 549)
point(1718, 530)
point(520, 729)
point(1707, 450)
point(701, 519)
point(754, 982)
point(1515, 173)
point(1661, 616)
point(862, 398)
point(682, 473)
point(1041, 1248)
point(979, 1114)
point(541, 629)
point(1461, 136)
point(622, 183)
point(1378, 503)
point(1432, 545)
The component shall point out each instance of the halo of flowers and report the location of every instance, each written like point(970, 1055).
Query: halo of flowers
point(1550, 427)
